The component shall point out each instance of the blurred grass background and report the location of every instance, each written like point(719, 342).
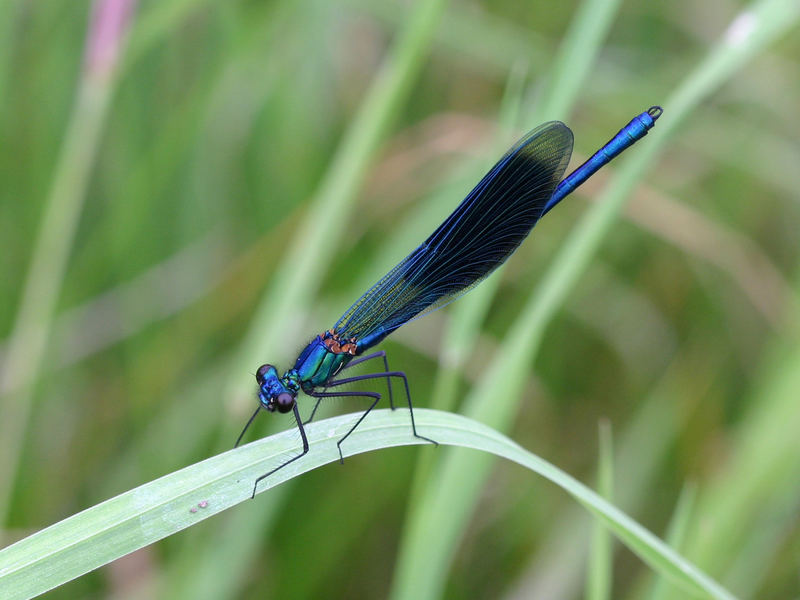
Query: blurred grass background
point(241, 171)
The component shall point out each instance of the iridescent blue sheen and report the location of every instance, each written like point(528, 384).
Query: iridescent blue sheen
point(627, 136)
point(480, 234)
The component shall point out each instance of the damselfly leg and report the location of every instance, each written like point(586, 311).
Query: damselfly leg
point(358, 361)
point(386, 375)
point(320, 395)
point(378, 354)
point(291, 460)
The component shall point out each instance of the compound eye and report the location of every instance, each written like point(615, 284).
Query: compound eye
point(261, 374)
point(285, 402)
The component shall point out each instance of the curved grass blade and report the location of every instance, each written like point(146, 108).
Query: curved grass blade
point(176, 501)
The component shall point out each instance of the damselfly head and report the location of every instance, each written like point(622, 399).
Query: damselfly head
point(272, 393)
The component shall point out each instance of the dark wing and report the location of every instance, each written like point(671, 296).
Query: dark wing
point(472, 242)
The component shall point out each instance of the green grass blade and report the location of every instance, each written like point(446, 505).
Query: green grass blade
point(764, 465)
point(766, 543)
point(642, 446)
point(484, 41)
point(676, 534)
point(9, 12)
point(575, 57)
point(158, 21)
point(181, 499)
point(599, 576)
point(51, 252)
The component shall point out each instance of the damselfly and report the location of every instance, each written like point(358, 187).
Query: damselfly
point(473, 241)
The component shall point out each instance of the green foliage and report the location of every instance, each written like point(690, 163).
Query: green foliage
point(252, 166)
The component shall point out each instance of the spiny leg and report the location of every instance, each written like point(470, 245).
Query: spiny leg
point(316, 405)
point(314, 410)
point(294, 458)
point(353, 428)
point(374, 395)
point(353, 363)
point(378, 354)
point(249, 421)
point(387, 375)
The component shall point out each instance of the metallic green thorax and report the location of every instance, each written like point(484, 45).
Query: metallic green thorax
point(317, 365)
